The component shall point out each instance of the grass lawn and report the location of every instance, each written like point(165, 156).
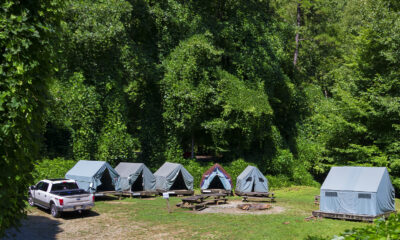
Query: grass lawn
point(149, 219)
point(181, 223)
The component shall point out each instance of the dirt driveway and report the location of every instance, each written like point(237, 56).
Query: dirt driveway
point(114, 220)
point(40, 225)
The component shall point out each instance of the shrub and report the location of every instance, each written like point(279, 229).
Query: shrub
point(382, 229)
point(197, 170)
point(235, 168)
point(52, 168)
point(279, 181)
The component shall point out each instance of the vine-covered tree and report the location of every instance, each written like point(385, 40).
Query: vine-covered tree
point(27, 28)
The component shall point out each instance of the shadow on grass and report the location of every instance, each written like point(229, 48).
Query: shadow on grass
point(106, 198)
point(72, 215)
point(35, 227)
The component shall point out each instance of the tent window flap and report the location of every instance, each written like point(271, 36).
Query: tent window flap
point(330, 194)
point(364, 195)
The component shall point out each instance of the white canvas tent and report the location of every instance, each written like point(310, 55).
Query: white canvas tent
point(135, 177)
point(358, 191)
point(94, 176)
point(251, 180)
point(173, 176)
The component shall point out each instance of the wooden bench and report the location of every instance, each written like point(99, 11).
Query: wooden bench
point(199, 202)
point(223, 191)
point(257, 196)
point(177, 192)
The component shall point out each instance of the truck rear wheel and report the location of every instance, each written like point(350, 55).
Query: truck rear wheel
point(54, 211)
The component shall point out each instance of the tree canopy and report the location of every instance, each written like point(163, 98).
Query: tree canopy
point(292, 86)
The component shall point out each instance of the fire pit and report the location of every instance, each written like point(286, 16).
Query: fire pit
point(254, 206)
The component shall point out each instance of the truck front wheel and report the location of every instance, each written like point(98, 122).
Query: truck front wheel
point(30, 200)
point(54, 211)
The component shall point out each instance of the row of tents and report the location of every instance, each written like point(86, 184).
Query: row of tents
point(97, 176)
point(346, 190)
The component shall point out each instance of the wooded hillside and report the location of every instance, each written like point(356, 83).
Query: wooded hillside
point(292, 86)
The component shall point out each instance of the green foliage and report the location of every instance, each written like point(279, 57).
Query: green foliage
point(381, 229)
point(51, 168)
point(235, 168)
point(25, 70)
point(189, 86)
point(196, 170)
point(279, 181)
point(358, 124)
point(115, 144)
point(76, 108)
point(89, 94)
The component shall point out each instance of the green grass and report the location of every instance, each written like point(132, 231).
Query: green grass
point(153, 216)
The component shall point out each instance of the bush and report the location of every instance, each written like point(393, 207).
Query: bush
point(279, 181)
point(235, 168)
point(382, 229)
point(196, 170)
point(51, 168)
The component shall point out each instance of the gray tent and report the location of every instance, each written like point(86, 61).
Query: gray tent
point(173, 176)
point(94, 176)
point(135, 177)
point(251, 180)
point(357, 190)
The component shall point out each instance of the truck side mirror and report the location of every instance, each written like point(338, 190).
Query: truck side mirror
point(33, 187)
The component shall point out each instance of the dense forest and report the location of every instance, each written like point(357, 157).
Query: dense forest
point(292, 86)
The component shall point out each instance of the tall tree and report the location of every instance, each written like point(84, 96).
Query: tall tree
point(27, 28)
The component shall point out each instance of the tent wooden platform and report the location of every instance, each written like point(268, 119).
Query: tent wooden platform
point(258, 196)
point(108, 194)
point(148, 193)
point(355, 217)
point(182, 192)
point(223, 191)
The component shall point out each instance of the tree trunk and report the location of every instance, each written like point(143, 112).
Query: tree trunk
point(297, 38)
point(192, 146)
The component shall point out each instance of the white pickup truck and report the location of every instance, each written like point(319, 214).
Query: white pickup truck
point(60, 195)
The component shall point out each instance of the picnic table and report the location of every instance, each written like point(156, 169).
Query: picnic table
point(261, 196)
point(199, 202)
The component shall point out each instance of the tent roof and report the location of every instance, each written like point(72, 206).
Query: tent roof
point(360, 179)
point(86, 168)
point(167, 168)
point(246, 172)
point(211, 169)
point(125, 169)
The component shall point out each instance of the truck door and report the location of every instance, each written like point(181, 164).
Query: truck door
point(34, 192)
point(41, 194)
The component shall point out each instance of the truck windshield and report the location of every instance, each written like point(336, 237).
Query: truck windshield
point(64, 186)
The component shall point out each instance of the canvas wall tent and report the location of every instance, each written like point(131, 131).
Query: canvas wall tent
point(173, 176)
point(216, 178)
point(251, 180)
point(135, 177)
point(357, 190)
point(94, 176)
